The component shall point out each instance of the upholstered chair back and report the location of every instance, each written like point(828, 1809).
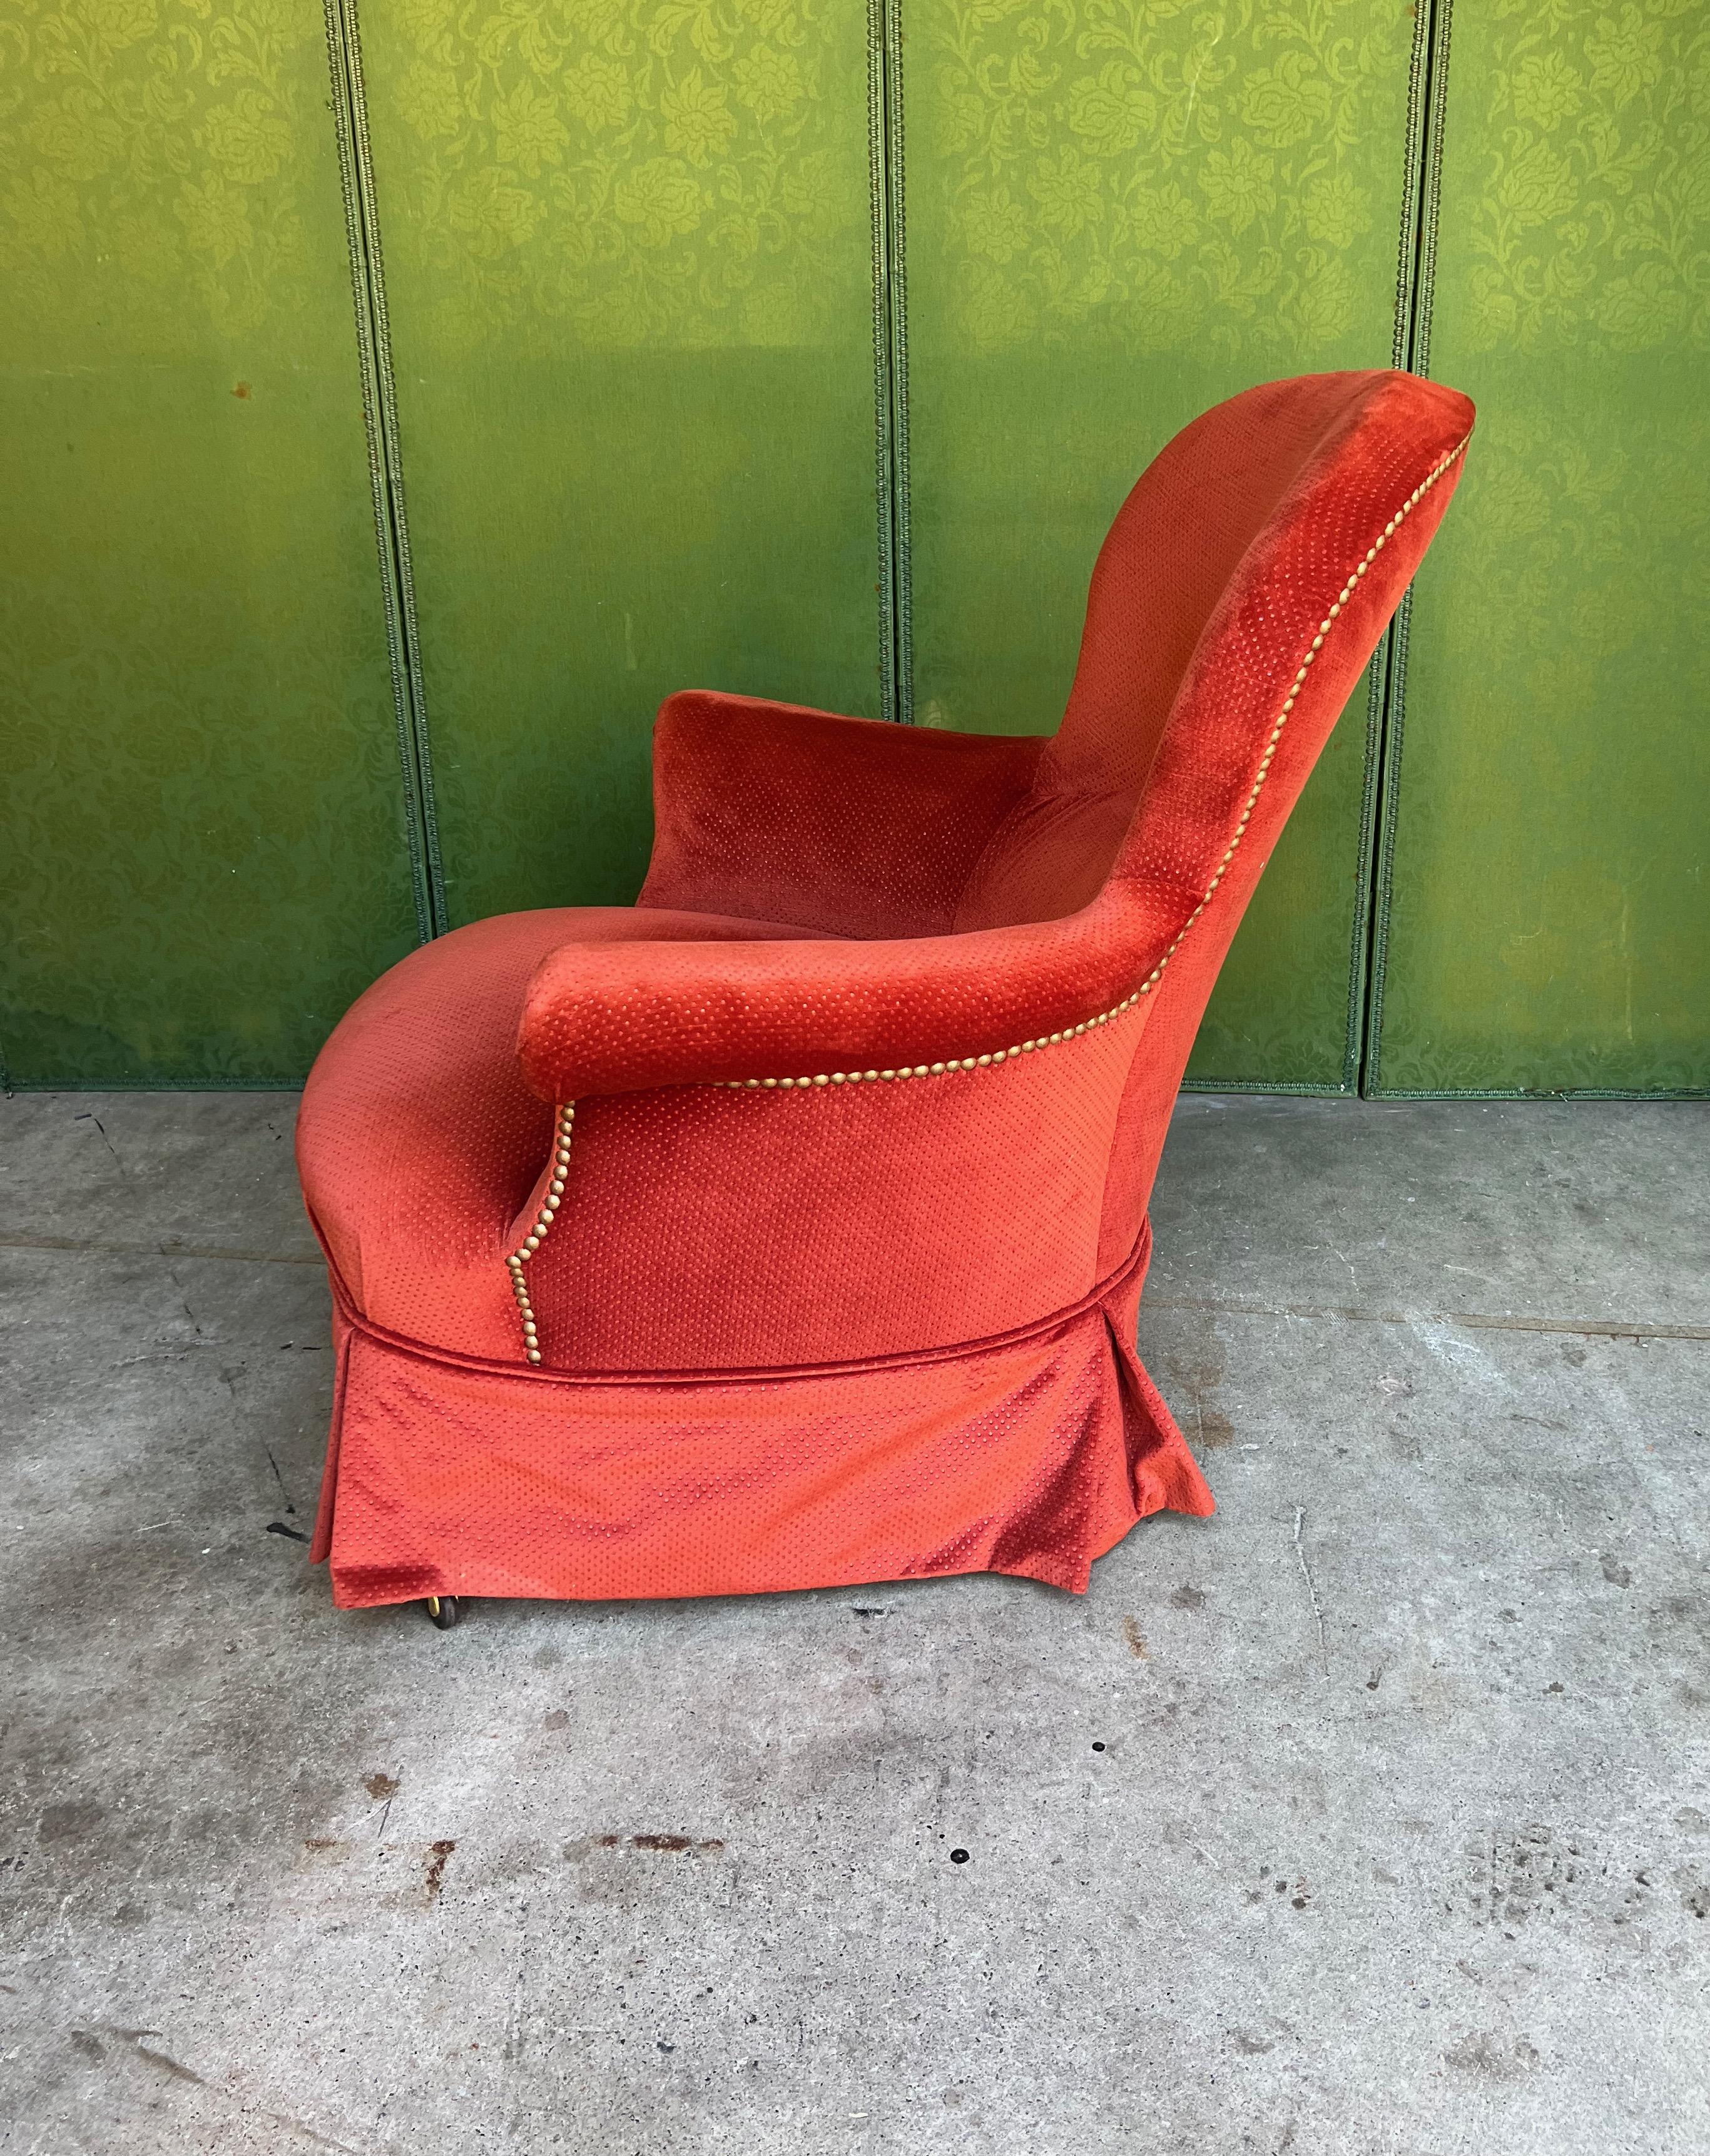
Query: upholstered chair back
point(1232, 611)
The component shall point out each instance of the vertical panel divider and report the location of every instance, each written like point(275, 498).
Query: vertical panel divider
point(890, 357)
point(350, 112)
point(1427, 100)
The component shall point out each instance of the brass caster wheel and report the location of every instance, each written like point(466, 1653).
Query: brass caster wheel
point(443, 1611)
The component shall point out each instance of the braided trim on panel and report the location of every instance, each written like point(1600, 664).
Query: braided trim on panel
point(564, 1129)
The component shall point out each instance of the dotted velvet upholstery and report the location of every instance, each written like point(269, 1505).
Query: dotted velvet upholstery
point(788, 1229)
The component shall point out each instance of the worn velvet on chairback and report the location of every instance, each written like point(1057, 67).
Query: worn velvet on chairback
point(790, 1229)
point(1179, 542)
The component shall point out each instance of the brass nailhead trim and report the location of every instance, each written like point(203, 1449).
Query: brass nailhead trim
point(566, 1114)
point(1325, 626)
point(537, 1233)
point(934, 1069)
point(1151, 981)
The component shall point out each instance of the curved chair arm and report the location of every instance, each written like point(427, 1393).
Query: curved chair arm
point(622, 1017)
point(858, 827)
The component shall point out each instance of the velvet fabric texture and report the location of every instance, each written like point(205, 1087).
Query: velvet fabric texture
point(839, 1278)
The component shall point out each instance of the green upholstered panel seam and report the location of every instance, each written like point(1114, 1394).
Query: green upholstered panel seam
point(373, 328)
point(204, 855)
point(890, 352)
point(1548, 927)
point(1118, 216)
point(630, 281)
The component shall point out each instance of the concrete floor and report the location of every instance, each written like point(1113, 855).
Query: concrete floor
point(1371, 1816)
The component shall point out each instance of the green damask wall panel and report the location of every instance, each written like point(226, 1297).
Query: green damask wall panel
point(1547, 922)
point(1118, 214)
point(629, 274)
point(201, 833)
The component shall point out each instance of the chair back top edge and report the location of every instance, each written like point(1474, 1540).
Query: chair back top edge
point(1249, 520)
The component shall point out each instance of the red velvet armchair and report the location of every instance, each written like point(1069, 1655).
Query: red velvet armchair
point(788, 1229)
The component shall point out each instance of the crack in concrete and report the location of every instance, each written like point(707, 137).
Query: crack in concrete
point(168, 1250)
point(1587, 1328)
point(163, 2063)
point(1306, 1574)
point(125, 1173)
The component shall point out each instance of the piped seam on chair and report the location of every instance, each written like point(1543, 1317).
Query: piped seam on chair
point(1102, 1290)
point(931, 1070)
point(564, 1129)
point(1324, 629)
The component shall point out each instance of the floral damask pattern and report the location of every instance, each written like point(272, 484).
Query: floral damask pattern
point(1546, 925)
point(146, 148)
point(202, 849)
point(1593, 223)
point(671, 173)
point(1546, 929)
point(1164, 172)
